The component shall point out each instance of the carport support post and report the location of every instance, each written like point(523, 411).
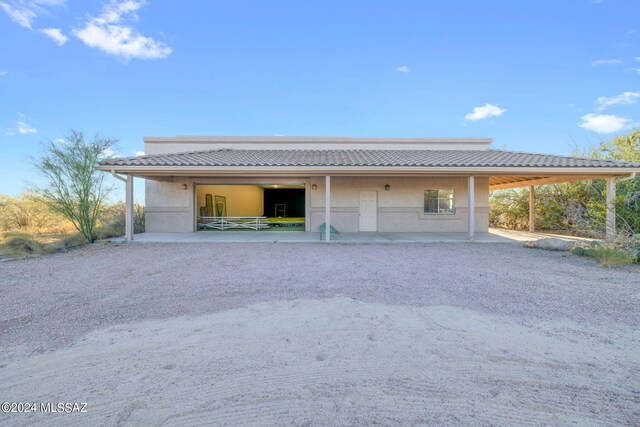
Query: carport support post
point(610, 232)
point(532, 209)
point(471, 203)
point(327, 208)
point(128, 228)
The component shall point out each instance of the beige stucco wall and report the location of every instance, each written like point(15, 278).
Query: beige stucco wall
point(242, 200)
point(184, 144)
point(170, 208)
point(401, 209)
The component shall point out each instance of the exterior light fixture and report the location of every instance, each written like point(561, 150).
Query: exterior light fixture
point(314, 187)
point(185, 186)
point(387, 187)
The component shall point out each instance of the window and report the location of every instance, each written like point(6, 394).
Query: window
point(439, 201)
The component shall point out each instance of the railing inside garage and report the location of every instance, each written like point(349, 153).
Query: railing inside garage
point(230, 222)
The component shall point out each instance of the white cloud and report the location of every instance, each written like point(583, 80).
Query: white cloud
point(403, 69)
point(55, 34)
point(2, 73)
point(603, 123)
point(108, 33)
point(59, 141)
point(625, 98)
point(606, 62)
point(484, 112)
point(139, 153)
point(637, 70)
point(24, 12)
point(109, 153)
point(22, 126)
point(22, 15)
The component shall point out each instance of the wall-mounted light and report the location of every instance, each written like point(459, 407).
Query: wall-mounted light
point(314, 187)
point(185, 186)
point(387, 187)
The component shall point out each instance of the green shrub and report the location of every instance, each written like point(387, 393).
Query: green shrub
point(578, 250)
point(625, 250)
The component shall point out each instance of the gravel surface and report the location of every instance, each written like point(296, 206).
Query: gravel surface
point(494, 333)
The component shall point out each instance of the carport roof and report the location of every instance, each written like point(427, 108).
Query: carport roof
point(363, 158)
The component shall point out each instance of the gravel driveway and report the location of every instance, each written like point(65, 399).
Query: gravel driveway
point(181, 334)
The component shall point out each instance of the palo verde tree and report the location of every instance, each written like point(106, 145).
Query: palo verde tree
point(74, 186)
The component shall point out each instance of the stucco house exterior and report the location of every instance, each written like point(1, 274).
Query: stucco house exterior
point(353, 184)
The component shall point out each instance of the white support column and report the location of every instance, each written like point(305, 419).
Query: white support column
point(472, 207)
point(129, 209)
point(532, 210)
point(611, 209)
point(327, 208)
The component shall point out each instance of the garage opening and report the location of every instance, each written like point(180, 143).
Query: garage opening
point(260, 207)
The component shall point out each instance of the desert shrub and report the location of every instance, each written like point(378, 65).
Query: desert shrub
point(74, 241)
point(112, 221)
point(624, 250)
point(29, 213)
point(509, 209)
point(108, 231)
point(20, 246)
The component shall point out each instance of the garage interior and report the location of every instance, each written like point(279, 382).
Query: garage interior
point(260, 207)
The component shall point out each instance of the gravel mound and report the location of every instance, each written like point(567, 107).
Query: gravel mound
point(443, 333)
point(334, 361)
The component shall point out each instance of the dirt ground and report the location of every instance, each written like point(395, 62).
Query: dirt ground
point(317, 334)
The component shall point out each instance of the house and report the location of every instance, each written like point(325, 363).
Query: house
point(352, 184)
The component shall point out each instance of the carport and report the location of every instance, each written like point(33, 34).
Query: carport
point(355, 185)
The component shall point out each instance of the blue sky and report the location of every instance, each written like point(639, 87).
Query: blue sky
point(534, 75)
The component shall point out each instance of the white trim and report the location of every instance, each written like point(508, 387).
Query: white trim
point(355, 170)
point(129, 209)
point(327, 208)
point(307, 205)
point(471, 206)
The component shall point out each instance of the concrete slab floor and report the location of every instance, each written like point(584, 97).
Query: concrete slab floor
point(493, 236)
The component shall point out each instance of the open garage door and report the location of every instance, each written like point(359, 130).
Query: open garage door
point(259, 207)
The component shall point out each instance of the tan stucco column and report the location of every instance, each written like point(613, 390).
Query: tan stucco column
point(129, 208)
point(327, 208)
point(472, 207)
point(532, 210)
point(610, 228)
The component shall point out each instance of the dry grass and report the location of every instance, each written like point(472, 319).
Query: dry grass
point(16, 245)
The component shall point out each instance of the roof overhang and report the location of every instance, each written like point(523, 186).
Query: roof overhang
point(500, 178)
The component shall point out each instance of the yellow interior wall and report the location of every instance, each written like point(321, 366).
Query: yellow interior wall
point(242, 200)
